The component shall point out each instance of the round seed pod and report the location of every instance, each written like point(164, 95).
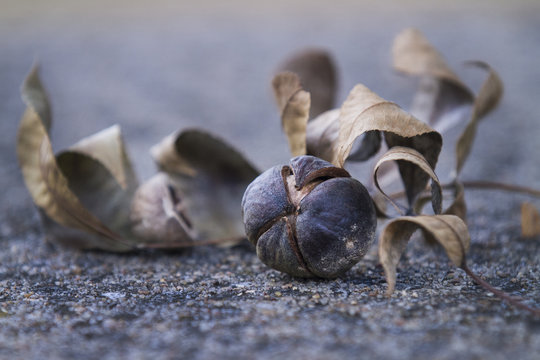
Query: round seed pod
point(309, 218)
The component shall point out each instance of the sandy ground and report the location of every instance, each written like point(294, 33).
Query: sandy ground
point(155, 69)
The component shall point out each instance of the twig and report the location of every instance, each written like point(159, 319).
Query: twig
point(501, 294)
point(484, 185)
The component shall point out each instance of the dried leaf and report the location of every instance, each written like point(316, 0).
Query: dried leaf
point(158, 214)
point(34, 95)
point(458, 206)
point(442, 98)
point(107, 147)
point(165, 155)
point(530, 220)
point(211, 192)
point(364, 112)
point(322, 133)
point(447, 230)
point(50, 190)
point(403, 154)
point(486, 100)
point(317, 73)
point(441, 104)
point(414, 55)
point(294, 104)
point(99, 173)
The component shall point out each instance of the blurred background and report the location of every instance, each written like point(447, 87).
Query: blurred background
point(156, 67)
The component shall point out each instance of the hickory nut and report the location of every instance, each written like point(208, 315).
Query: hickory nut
point(309, 219)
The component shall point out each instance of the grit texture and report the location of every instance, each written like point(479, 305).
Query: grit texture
point(158, 68)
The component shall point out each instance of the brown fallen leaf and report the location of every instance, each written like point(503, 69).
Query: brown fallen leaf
point(34, 95)
point(530, 220)
point(486, 100)
point(403, 154)
point(211, 189)
point(441, 98)
point(318, 76)
point(365, 112)
point(458, 206)
point(321, 133)
point(89, 197)
point(414, 55)
point(47, 184)
point(159, 215)
point(100, 175)
point(447, 230)
point(294, 104)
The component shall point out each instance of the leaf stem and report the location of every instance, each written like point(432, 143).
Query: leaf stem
point(481, 184)
point(515, 301)
point(484, 185)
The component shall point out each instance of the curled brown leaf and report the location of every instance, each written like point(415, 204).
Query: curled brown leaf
point(294, 104)
point(211, 191)
point(447, 230)
point(107, 147)
point(364, 112)
point(414, 55)
point(50, 189)
point(486, 100)
point(318, 76)
point(441, 97)
point(458, 206)
point(100, 175)
point(322, 134)
point(403, 154)
point(158, 214)
point(34, 95)
point(530, 220)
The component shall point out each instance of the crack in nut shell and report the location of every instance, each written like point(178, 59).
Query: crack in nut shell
point(309, 219)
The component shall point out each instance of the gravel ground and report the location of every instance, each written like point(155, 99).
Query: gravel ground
point(156, 69)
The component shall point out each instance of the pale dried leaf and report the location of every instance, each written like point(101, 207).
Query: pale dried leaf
point(447, 230)
point(69, 188)
point(364, 112)
point(50, 190)
point(166, 157)
point(294, 104)
point(159, 215)
point(317, 73)
point(212, 194)
point(458, 206)
point(322, 134)
point(35, 96)
point(403, 154)
point(414, 55)
point(530, 220)
point(441, 99)
point(107, 147)
point(486, 100)
point(100, 175)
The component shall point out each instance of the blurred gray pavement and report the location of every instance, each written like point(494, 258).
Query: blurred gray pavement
point(156, 67)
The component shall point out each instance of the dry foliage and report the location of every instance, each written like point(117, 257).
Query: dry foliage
point(356, 130)
point(530, 220)
point(88, 195)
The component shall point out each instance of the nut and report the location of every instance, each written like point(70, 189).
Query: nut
point(309, 219)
